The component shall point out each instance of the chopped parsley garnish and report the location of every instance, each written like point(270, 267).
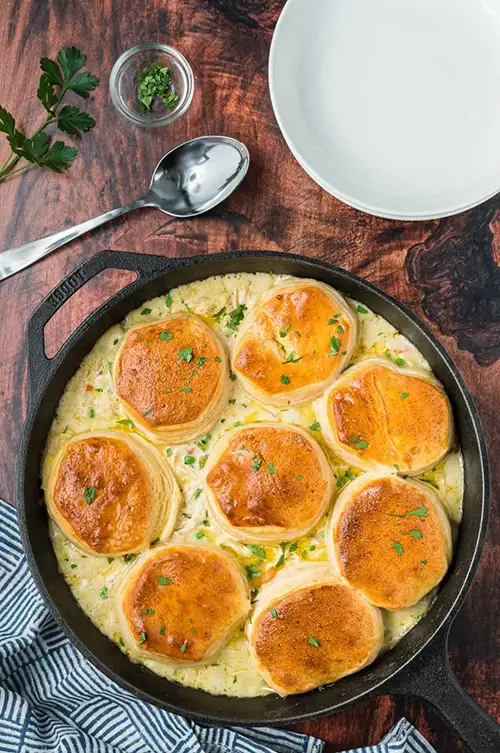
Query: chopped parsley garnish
point(361, 309)
point(129, 558)
point(142, 638)
point(400, 362)
point(236, 317)
point(416, 534)
point(343, 479)
point(155, 82)
point(199, 535)
point(299, 478)
point(273, 613)
point(419, 512)
point(219, 315)
point(148, 611)
point(184, 647)
point(256, 550)
point(316, 426)
point(396, 466)
point(340, 330)
point(232, 401)
point(189, 459)
point(74, 565)
point(362, 445)
point(147, 412)
point(354, 439)
point(315, 642)
point(293, 547)
point(168, 452)
point(145, 312)
point(281, 560)
point(104, 593)
point(201, 360)
point(162, 630)
point(197, 493)
point(253, 595)
point(257, 463)
point(127, 422)
point(165, 335)
point(334, 346)
point(397, 546)
point(155, 541)
point(284, 330)
point(202, 461)
point(91, 413)
point(292, 358)
point(187, 389)
point(235, 679)
point(237, 423)
point(423, 562)
point(312, 548)
point(218, 359)
point(115, 341)
point(271, 468)
point(232, 377)
point(168, 300)
point(203, 442)
point(185, 354)
point(404, 395)
point(163, 581)
point(285, 379)
point(253, 571)
point(89, 494)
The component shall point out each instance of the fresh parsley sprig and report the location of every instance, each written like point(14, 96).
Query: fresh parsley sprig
point(58, 77)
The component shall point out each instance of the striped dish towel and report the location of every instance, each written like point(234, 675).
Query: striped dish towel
point(53, 701)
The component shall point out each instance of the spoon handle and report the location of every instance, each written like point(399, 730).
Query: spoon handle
point(15, 259)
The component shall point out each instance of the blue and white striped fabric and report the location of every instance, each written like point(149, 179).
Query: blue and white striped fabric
point(53, 701)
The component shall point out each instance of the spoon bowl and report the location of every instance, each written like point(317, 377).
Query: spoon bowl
point(191, 179)
point(196, 176)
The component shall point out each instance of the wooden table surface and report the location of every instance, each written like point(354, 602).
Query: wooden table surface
point(446, 270)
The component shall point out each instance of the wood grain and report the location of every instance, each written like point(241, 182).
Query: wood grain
point(447, 271)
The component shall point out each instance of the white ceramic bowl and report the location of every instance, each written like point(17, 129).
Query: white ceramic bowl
point(392, 106)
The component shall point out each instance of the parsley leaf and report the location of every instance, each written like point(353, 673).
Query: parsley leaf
point(163, 581)
point(285, 379)
point(284, 330)
point(253, 571)
point(416, 534)
point(292, 358)
point(271, 468)
point(419, 512)
point(58, 158)
point(73, 121)
point(257, 463)
point(71, 60)
point(361, 309)
point(168, 300)
point(362, 445)
point(185, 354)
point(334, 346)
point(165, 335)
point(256, 550)
point(315, 426)
point(273, 613)
point(236, 317)
point(404, 395)
point(312, 641)
point(104, 593)
point(89, 494)
point(397, 546)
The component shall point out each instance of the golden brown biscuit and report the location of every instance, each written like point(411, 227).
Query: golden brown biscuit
point(112, 493)
point(268, 482)
point(172, 377)
point(181, 603)
point(380, 416)
point(310, 629)
point(390, 538)
point(295, 344)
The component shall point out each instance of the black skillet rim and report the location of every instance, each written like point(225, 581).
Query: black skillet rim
point(162, 267)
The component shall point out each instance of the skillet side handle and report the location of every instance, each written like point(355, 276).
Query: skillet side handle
point(431, 678)
point(146, 265)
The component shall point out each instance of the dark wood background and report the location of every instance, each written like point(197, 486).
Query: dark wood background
point(447, 270)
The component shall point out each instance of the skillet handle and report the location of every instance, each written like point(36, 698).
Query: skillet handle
point(147, 266)
point(431, 678)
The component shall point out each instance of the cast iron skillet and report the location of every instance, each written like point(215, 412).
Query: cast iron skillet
point(417, 666)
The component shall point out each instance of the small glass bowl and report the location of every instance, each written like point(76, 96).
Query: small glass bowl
point(124, 79)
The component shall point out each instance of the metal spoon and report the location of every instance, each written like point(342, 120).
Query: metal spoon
point(189, 180)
